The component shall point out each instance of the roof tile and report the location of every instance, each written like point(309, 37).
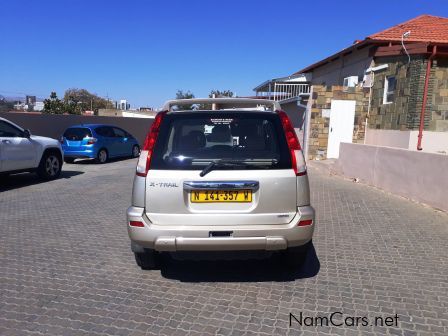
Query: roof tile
point(423, 28)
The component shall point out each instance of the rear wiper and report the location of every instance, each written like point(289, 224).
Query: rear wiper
point(226, 163)
point(220, 163)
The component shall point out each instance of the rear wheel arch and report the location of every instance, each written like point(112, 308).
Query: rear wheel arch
point(53, 150)
point(102, 148)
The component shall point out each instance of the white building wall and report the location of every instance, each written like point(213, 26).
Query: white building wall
point(39, 106)
point(415, 175)
point(432, 142)
point(333, 73)
point(136, 115)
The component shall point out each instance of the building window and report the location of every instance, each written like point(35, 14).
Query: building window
point(390, 84)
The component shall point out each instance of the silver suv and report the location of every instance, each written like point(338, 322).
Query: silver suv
point(228, 178)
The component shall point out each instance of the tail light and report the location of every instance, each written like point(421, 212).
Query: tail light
point(91, 141)
point(305, 222)
point(136, 224)
point(297, 158)
point(144, 160)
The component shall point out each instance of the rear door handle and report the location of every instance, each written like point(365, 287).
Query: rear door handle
point(6, 141)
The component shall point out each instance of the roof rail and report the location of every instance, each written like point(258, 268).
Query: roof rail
point(224, 103)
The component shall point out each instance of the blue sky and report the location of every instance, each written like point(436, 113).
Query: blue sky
point(145, 51)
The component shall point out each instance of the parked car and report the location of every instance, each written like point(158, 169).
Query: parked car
point(22, 152)
point(99, 142)
point(229, 179)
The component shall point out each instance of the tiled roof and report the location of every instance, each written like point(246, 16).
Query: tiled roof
point(423, 28)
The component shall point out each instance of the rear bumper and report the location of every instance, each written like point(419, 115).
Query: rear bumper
point(243, 237)
point(89, 153)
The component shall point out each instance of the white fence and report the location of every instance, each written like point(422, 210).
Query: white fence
point(285, 91)
point(415, 175)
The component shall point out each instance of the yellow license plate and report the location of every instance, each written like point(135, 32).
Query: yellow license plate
point(221, 196)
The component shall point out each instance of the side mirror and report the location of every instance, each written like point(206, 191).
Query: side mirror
point(27, 133)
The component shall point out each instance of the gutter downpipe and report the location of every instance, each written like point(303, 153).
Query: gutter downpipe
point(372, 73)
point(307, 123)
point(425, 96)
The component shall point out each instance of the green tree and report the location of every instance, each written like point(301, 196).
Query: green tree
point(221, 94)
point(80, 100)
point(53, 105)
point(180, 94)
point(75, 101)
point(216, 94)
point(5, 105)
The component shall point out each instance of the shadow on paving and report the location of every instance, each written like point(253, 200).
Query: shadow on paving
point(9, 182)
point(93, 162)
point(272, 268)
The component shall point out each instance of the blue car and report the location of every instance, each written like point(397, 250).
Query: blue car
point(99, 142)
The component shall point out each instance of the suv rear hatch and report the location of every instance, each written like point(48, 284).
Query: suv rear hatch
point(220, 168)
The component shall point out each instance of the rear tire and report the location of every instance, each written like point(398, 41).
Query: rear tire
point(135, 151)
point(102, 156)
point(69, 160)
point(146, 260)
point(294, 257)
point(50, 166)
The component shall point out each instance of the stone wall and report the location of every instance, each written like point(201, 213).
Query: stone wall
point(404, 112)
point(439, 98)
point(319, 123)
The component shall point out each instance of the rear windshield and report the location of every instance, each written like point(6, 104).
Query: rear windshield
point(77, 133)
point(193, 140)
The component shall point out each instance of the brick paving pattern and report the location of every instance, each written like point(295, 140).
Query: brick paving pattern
point(66, 267)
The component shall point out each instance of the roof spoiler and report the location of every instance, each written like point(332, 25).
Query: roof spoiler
point(224, 103)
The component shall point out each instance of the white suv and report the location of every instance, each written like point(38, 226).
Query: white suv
point(232, 178)
point(22, 152)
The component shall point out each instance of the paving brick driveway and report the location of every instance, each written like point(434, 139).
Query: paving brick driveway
point(66, 267)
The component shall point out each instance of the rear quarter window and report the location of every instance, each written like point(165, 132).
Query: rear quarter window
point(192, 140)
point(77, 133)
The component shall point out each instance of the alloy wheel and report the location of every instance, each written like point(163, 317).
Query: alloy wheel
point(102, 156)
point(135, 151)
point(52, 165)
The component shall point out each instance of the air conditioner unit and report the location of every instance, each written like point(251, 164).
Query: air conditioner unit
point(350, 82)
point(367, 82)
